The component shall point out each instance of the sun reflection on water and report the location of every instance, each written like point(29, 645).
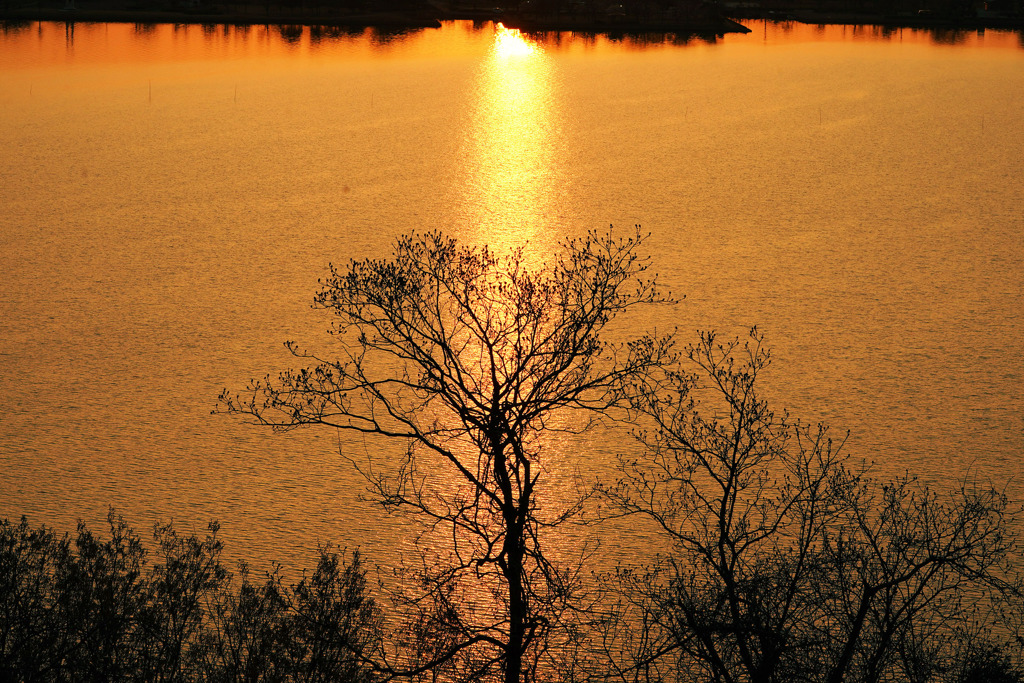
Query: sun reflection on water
point(510, 42)
point(510, 152)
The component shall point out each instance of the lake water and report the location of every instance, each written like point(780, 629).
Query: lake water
point(169, 196)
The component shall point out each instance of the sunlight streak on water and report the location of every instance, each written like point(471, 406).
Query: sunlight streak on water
point(511, 160)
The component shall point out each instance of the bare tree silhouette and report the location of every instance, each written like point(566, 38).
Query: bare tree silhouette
point(468, 358)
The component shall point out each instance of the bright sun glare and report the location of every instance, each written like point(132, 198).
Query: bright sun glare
point(510, 42)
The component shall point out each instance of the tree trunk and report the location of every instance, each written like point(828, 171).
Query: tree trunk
point(516, 599)
point(513, 551)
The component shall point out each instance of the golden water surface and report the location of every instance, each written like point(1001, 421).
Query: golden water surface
point(170, 194)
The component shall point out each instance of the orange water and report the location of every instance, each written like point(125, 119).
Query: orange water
point(169, 196)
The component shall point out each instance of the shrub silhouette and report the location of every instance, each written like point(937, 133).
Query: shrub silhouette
point(109, 610)
point(787, 563)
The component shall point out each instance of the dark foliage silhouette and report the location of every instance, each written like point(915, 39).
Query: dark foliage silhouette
point(785, 563)
point(101, 610)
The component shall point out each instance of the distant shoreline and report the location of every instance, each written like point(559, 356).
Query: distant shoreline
point(712, 25)
point(98, 13)
point(104, 11)
point(820, 17)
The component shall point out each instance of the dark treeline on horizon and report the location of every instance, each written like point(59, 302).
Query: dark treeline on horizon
point(615, 17)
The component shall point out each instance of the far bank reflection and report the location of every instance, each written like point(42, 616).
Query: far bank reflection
point(30, 43)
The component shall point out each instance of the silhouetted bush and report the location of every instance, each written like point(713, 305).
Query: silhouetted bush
point(987, 663)
point(110, 610)
point(790, 563)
